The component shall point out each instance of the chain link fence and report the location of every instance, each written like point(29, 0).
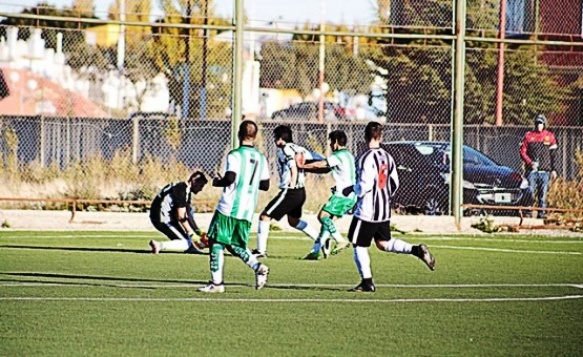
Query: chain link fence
point(85, 116)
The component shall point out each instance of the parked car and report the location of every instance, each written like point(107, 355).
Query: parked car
point(424, 176)
point(309, 111)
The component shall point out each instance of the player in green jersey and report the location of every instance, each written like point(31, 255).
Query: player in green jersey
point(246, 174)
point(342, 165)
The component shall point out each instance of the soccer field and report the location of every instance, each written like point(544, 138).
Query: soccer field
point(104, 294)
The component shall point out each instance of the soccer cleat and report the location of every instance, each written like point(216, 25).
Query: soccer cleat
point(364, 287)
point(312, 256)
point(261, 276)
point(155, 246)
point(326, 247)
point(340, 247)
point(259, 254)
point(212, 288)
point(426, 256)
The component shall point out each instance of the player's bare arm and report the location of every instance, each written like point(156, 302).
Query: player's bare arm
point(182, 214)
point(317, 167)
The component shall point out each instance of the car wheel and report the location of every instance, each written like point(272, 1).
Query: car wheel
point(432, 203)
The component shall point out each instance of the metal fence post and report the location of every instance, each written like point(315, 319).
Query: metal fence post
point(135, 138)
point(42, 141)
point(458, 118)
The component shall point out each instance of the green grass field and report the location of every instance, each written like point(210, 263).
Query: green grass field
point(103, 293)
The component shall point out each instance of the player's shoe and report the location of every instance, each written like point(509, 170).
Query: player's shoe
point(212, 288)
point(261, 276)
point(364, 287)
point(312, 256)
point(326, 248)
point(340, 247)
point(259, 254)
point(426, 256)
point(155, 246)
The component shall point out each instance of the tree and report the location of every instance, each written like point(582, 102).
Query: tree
point(135, 11)
point(83, 7)
point(295, 65)
point(207, 65)
point(50, 27)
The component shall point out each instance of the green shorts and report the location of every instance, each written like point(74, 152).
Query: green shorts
point(229, 231)
point(338, 206)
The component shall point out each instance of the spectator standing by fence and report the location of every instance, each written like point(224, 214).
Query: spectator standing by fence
point(539, 153)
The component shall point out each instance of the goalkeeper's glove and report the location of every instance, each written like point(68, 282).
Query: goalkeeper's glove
point(197, 242)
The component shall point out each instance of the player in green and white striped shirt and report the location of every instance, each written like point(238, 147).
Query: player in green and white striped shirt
point(245, 175)
point(342, 165)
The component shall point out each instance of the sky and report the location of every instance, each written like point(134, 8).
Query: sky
point(348, 12)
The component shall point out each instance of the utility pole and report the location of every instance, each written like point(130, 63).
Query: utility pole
point(203, 91)
point(500, 78)
point(186, 67)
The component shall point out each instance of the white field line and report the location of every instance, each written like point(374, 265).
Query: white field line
point(505, 250)
point(288, 300)
point(293, 236)
point(394, 286)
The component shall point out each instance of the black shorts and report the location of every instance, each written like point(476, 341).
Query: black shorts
point(361, 233)
point(288, 201)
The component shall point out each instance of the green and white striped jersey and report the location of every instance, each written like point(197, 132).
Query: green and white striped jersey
point(240, 198)
point(343, 169)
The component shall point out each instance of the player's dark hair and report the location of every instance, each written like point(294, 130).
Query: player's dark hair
point(283, 132)
point(373, 130)
point(198, 176)
point(339, 137)
point(247, 130)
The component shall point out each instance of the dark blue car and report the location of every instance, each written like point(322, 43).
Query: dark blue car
point(424, 176)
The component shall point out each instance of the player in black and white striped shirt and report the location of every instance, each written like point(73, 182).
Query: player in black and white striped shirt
point(376, 183)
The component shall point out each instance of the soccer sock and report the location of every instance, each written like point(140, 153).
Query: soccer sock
point(324, 234)
point(246, 256)
point(176, 245)
point(217, 262)
point(262, 234)
point(307, 229)
point(337, 236)
point(398, 246)
point(362, 260)
point(331, 227)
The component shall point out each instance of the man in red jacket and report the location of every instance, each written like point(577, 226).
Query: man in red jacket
point(539, 153)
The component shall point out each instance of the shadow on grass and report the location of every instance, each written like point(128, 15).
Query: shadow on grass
point(93, 249)
point(77, 280)
point(109, 281)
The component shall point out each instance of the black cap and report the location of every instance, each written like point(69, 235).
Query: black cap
point(540, 119)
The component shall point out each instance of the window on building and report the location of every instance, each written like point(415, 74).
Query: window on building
point(518, 17)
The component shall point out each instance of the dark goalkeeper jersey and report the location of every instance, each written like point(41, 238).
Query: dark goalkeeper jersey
point(170, 198)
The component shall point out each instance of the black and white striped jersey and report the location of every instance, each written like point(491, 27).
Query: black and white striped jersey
point(376, 182)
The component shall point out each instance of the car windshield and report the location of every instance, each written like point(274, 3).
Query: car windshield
point(441, 154)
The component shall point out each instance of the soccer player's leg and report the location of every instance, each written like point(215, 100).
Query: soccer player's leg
point(179, 241)
point(386, 243)
point(360, 235)
point(275, 209)
point(338, 206)
point(239, 248)
point(295, 204)
point(220, 232)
